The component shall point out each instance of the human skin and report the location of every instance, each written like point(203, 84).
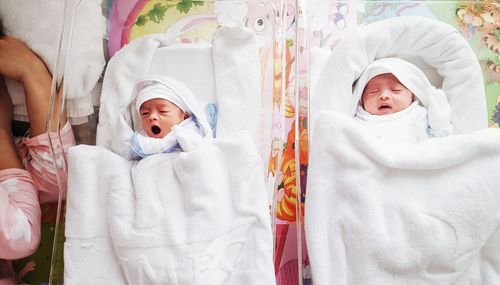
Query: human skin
point(10, 157)
point(158, 116)
point(384, 94)
point(18, 62)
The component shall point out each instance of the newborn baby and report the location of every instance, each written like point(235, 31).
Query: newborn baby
point(393, 93)
point(158, 114)
point(166, 118)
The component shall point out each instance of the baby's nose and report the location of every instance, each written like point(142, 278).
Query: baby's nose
point(153, 117)
point(384, 95)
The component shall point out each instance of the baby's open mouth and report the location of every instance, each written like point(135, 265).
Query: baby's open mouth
point(384, 107)
point(156, 130)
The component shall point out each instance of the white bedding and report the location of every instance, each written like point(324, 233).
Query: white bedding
point(386, 212)
point(225, 73)
point(198, 217)
point(382, 212)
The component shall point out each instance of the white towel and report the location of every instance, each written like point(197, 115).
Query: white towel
point(198, 217)
point(82, 58)
point(88, 252)
point(435, 43)
point(381, 212)
point(237, 81)
point(182, 216)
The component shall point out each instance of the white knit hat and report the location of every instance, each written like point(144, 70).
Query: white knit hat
point(150, 89)
point(157, 86)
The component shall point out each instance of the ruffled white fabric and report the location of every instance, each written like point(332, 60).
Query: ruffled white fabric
point(408, 125)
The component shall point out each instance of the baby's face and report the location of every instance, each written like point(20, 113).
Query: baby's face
point(158, 116)
point(384, 94)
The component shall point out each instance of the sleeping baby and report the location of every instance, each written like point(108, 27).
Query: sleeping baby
point(167, 117)
point(393, 93)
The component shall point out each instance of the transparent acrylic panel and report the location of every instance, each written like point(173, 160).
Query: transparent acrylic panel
point(329, 23)
point(182, 23)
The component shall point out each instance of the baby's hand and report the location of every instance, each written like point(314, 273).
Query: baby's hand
point(439, 114)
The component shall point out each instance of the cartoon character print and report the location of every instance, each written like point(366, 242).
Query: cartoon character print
point(287, 189)
point(330, 21)
point(483, 19)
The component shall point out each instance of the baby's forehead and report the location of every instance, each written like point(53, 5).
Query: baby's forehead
point(157, 102)
point(384, 78)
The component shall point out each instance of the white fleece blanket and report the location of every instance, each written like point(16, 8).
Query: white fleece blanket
point(82, 59)
point(382, 212)
point(198, 217)
point(195, 217)
point(226, 73)
point(430, 44)
point(408, 125)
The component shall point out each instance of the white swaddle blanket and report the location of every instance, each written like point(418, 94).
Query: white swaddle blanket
point(386, 212)
point(408, 125)
point(382, 212)
point(82, 58)
point(199, 216)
